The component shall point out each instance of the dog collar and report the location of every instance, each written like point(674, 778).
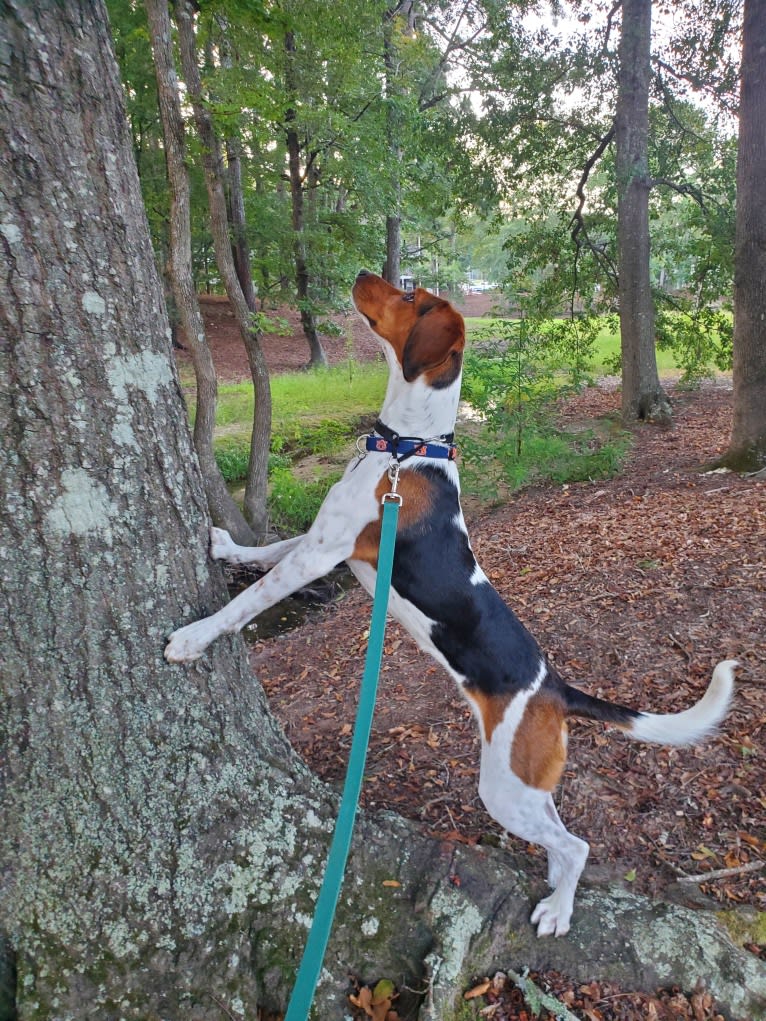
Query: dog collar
point(385, 441)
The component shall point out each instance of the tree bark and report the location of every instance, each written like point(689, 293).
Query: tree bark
point(223, 510)
point(392, 269)
point(160, 844)
point(747, 445)
point(317, 356)
point(240, 244)
point(642, 395)
point(212, 159)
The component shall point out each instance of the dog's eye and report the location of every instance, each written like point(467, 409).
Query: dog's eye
point(409, 296)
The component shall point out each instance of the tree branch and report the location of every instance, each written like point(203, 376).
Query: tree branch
point(579, 232)
point(738, 870)
point(699, 84)
point(682, 189)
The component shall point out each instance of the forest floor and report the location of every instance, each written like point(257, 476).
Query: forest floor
point(635, 587)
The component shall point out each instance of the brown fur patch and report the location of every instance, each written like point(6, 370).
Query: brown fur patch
point(425, 331)
point(538, 753)
point(434, 347)
point(491, 709)
point(417, 495)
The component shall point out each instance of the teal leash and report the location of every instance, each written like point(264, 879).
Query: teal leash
point(324, 912)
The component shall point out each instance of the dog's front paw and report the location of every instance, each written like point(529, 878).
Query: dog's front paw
point(188, 643)
point(553, 915)
point(222, 546)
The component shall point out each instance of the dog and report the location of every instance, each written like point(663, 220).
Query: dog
point(441, 595)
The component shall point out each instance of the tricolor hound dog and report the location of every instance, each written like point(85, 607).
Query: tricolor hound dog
point(442, 596)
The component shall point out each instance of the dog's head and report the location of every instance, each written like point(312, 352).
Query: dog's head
point(425, 332)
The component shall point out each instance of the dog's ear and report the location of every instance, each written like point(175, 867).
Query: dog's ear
point(435, 343)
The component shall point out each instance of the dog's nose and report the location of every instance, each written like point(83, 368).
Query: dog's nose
point(362, 273)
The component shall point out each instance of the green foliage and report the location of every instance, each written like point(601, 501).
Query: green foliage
point(130, 32)
point(232, 455)
point(232, 458)
point(491, 464)
point(487, 184)
point(301, 439)
point(571, 344)
point(293, 504)
point(510, 382)
point(315, 413)
point(698, 337)
point(506, 378)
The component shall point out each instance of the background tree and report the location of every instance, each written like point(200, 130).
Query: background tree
point(223, 510)
point(130, 33)
point(642, 395)
point(549, 102)
point(249, 328)
point(400, 18)
point(747, 446)
point(301, 178)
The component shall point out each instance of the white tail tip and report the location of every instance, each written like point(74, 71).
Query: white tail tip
point(692, 724)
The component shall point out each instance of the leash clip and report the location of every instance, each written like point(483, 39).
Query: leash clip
point(393, 477)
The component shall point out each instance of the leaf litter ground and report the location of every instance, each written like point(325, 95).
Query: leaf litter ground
point(635, 587)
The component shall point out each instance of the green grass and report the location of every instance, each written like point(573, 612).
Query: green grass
point(348, 390)
point(315, 412)
point(606, 353)
point(294, 503)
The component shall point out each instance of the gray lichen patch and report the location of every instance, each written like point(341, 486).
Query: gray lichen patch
point(457, 920)
point(83, 506)
point(146, 372)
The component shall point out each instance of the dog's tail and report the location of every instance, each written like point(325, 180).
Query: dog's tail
point(685, 727)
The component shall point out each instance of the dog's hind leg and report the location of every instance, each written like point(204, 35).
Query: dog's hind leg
point(223, 547)
point(529, 813)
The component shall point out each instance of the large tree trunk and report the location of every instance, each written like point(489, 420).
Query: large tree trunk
point(212, 159)
point(223, 510)
point(642, 396)
point(161, 846)
point(747, 446)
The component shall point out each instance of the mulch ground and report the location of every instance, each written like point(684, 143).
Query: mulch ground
point(635, 587)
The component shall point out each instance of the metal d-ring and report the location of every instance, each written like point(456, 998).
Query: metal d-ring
point(394, 468)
